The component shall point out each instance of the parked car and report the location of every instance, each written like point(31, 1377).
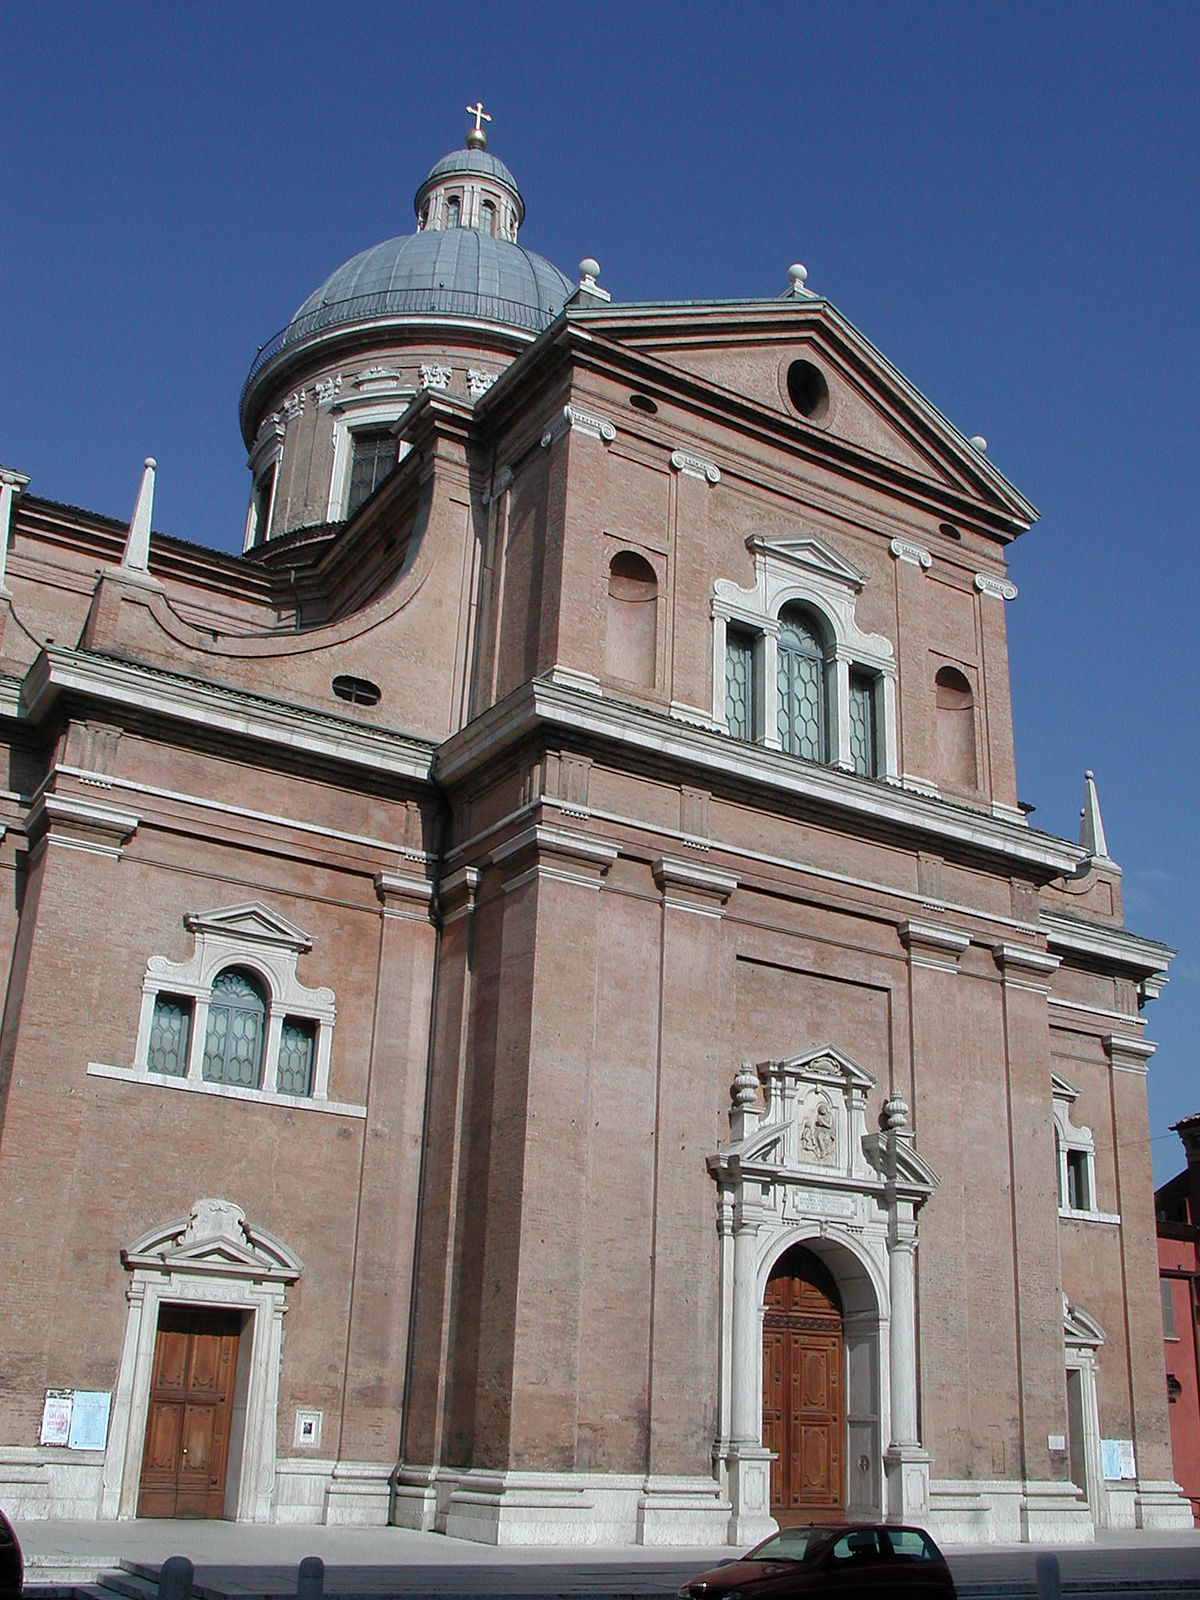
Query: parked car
point(12, 1567)
point(856, 1559)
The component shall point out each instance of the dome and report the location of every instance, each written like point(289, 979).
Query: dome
point(457, 272)
point(463, 263)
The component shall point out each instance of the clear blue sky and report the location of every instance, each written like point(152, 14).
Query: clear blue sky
point(1004, 198)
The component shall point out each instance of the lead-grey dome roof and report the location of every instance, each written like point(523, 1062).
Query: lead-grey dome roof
point(477, 161)
point(449, 272)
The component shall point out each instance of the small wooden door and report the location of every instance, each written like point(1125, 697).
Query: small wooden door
point(191, 1404)
point(804, 1414)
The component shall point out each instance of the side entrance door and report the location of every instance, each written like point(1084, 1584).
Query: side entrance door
point(804, 1414)
point(191, 1406)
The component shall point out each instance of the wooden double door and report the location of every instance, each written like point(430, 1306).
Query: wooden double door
point(191, 1409)
point(804, 1407)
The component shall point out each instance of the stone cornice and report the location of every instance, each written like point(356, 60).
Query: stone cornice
point(1113, 946)
point(852, 801)
point(1024, 959)
point(932, 944)
point(125, 687)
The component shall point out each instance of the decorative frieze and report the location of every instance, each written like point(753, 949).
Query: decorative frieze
point(327, 390)
point(479, 382)
point(293, 406)
point(377, 378)
point(695, 466)
point(433, 376)
point(909, 551)
point(995, 588)
point(573, 419)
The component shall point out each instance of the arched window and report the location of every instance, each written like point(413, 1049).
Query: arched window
point(236, 1032)
point(453, 211)
point(487, 217)
point(802, 691)
point(631, 637)
point(955, 729)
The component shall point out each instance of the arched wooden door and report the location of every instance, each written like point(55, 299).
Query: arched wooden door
point(804, 1406)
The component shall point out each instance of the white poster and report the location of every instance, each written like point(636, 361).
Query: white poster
point(56, 1416)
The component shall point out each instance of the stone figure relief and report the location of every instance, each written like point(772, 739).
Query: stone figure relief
point(817, 1131)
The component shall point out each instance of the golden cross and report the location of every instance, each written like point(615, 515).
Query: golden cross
point(479, 114)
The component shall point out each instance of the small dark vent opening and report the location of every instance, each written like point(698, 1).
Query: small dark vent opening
point(357, 691)
point(643, 402)
point(949, 530)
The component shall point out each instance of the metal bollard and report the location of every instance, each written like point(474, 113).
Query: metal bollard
point(175, 1579)
point(1049, 1580)
point(310, 1579)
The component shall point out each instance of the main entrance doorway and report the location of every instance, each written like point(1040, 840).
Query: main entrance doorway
point(191, 1409)
point(804, 1406)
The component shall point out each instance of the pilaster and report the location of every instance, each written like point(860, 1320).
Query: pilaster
point(691, 1027)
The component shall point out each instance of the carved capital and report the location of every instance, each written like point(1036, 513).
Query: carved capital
point(585, 422)
point(695, 466)
point(995, 588)
point(915, 554)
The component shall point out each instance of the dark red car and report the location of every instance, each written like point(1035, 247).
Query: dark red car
point(857, 1561)
point(12, 1568)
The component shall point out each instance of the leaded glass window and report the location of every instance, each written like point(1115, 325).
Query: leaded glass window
point(376, 451)
point(297, 1045)
point(453, 211)
point(801, 685)
point(170, 1035)
point(487, 217)
point(233, 1040)
point(862, 723)
point(739, 684)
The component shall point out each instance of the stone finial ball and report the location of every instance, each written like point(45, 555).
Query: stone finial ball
point(798, 273)
point(589, 268)
point(151, 463)
point(980, 443)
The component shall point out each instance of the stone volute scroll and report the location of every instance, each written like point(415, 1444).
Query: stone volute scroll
point(800, 1167)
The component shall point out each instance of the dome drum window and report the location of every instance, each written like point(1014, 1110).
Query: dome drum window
point(791, 668)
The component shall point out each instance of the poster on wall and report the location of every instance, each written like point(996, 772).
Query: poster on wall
point(56, 1416)
point(89, 1420)
point(1116, 1457)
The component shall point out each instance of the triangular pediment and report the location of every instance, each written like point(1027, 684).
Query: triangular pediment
point(1060, 1089)
point(746, 348)
point(214, 1240)
point(808, 554)
point(252, 921)
point(826, 1064)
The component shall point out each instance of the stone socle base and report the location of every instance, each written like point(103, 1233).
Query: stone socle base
point(748, 1472)
point(1007, 1511)
point(560, 1508)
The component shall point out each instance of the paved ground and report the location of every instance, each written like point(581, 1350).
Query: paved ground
point(240, 1559)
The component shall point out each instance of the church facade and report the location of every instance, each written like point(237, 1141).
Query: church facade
point(533, 1008)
